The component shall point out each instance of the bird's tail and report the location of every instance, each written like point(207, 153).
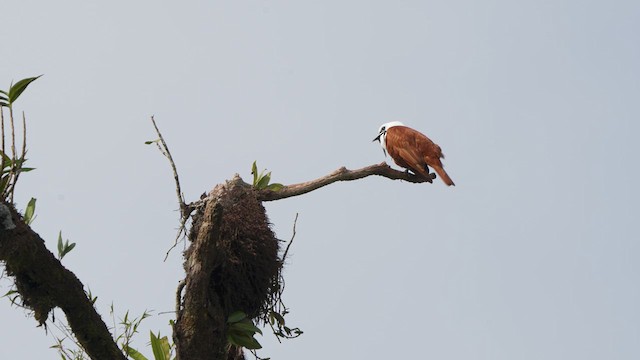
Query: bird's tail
point(444, 176)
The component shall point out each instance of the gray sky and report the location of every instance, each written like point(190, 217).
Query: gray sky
point(533, 255)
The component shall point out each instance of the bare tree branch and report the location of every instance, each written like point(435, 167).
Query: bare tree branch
point(164, 149)
point(293, 236)
point(185, 209)
point(342, 174)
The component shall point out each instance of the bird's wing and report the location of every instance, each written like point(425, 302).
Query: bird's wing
point(402, 147)
point(428, 147)
point(414, 161)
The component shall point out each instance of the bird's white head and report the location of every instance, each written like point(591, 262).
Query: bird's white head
point(382, 134)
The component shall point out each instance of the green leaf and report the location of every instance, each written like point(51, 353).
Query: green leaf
point(134, 354)
point(275, 187)
point(7, 159)
point(244, 341)
point(278, 317)
point(30, 211)
point(166, 347)
point(3, 183)
point(254, 172)
point(60, 244)
point(158, 349)
point(68, 247)
point(3, 92)
point(149, 142)
point(18, 88)
point(245, 327)
point(236, 316)
point(64, 248)
point(264, 181)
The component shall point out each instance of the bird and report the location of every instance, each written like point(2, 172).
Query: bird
point(412, 150)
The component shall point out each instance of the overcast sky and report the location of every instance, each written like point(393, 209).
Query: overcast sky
point(536, 104)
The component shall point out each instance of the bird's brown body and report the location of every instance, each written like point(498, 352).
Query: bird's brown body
point(414, 151)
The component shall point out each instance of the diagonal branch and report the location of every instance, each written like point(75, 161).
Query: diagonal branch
point(43, 284)
point(342, 174)
point(164, 149)
point(185, 209)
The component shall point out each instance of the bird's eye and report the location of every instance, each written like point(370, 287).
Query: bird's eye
point(383, 129)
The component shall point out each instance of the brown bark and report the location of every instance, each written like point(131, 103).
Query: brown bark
point(230, 266)
point(43, 283)
point(201, 315)
point(342, 174)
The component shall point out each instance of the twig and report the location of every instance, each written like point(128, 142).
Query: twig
point(181, 229)
point(255, 354)
point(2, 126)
point(185, 210)
point(16, 163)
point(276, 305)
point(13, 134)
point(293, 236)
point(22, 157)
point(165, 151)
point(342, 174)
point(66, 332)
point(183, 224)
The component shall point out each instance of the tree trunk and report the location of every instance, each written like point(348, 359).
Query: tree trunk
point(230, 266)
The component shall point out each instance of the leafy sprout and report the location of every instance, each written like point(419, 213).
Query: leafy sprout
point(261, 181)
point(159, 345)
point(29, 213)
point(64, 247)
point(11, 167)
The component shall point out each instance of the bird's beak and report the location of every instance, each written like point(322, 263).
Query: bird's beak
point(377, 137)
